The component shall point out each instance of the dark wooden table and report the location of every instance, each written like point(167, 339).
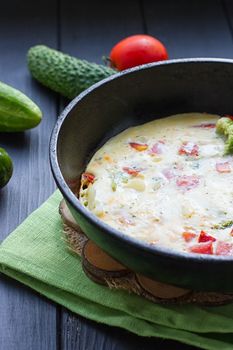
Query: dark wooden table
point(87, 30)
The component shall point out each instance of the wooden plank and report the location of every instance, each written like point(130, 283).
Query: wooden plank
point(89, 31)
point(84, 334)
point(228, 10)
point(193, 28)
point(27, 321)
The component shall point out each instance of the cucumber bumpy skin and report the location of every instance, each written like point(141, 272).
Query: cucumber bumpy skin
point(17, 111)
point(6, 167)
point(62, 73)
point(224, 127)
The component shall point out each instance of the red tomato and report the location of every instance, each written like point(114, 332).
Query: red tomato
point(223, 167)
point(189, 149)
point(135, 50)
point(87, 177)
point(224, 248)
point(203, 237)
point(187, 181)
point(202, 248)
point(131, 171)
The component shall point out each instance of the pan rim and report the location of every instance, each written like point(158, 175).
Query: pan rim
point(137, 244)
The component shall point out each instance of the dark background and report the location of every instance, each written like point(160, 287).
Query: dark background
point(197, 28)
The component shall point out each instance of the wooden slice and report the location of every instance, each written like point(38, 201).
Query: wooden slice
point(94, 278)
point(159, 289)
point(100, 264)
point(67, 217)
point(103, 269)
point(211, 298)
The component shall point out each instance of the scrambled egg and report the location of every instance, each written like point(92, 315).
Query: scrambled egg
point(167, 183)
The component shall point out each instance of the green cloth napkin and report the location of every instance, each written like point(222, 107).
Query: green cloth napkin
point(36, 255)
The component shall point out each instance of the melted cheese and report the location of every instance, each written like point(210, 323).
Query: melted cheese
point(163, 179)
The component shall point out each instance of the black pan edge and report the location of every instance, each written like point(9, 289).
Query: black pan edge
point(70, 197)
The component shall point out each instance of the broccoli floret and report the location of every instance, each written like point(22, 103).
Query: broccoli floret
point(224, 126)
point(229, 145)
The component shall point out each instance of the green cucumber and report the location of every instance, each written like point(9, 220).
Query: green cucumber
point(17, 111)
point(62, 73)
point(6, 167)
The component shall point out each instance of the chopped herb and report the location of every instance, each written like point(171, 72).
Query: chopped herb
point(124, 179)
point(114, 186)
point(223, 225)
point(118, 177)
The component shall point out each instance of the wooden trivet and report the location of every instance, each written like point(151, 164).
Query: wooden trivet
point(103, 269)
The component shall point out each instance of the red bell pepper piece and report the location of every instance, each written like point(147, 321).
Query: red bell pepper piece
point(131, 171)
point(139, 146)
point(202, 248)
point(224, 248)
point(203, 237)
point(189, 149)
point(223, 167)
point(187, 181)
point(205, 125)
point(88, 177)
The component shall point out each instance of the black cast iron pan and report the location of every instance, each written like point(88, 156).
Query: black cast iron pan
point(129, 98)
